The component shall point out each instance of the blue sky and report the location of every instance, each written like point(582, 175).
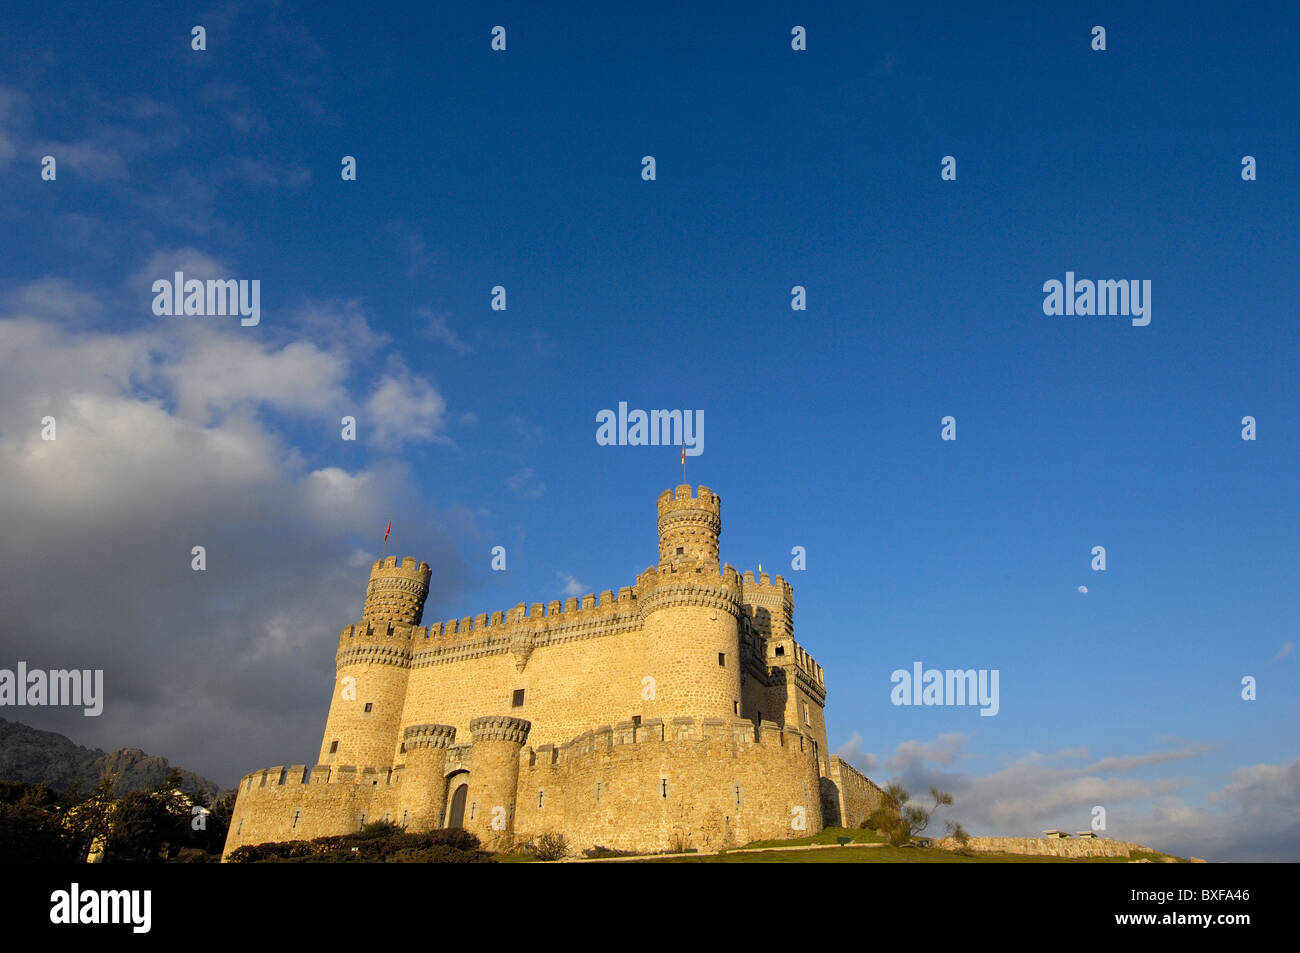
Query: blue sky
point(775, 168)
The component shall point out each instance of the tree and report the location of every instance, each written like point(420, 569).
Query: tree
point(148, 826)
point(31, 828)
point(89, 818)
point(900, 821)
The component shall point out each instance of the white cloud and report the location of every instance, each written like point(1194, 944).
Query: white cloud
point(166, 262)
point(572, 587)
point(853, 752)
point(55, 298)
point(1254, 817)
point(224, 371)
point(405, 408)
point(522, 485)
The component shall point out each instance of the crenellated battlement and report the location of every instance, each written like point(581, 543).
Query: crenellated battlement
point(663, 587)
point(300, 775)
point(737, 733)
point(571, 610)
point(684, 497)
point(385, 643)
point(396, 593)
point(765, 586)
point(428, 736)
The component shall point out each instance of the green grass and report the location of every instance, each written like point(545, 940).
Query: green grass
point(887, 855)
point(829, 835)
point(883, 854)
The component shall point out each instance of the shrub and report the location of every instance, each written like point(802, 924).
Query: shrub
point(550, 847)
point(375, 843)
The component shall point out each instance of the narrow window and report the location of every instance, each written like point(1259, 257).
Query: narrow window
point(735, 707)
point(599, 785)
point(370, 706)
point(334, 747)
point(297, 814)
point(780, 650)
point(541, 796)
point(806, 719)
point(361, 821)
point(405, 817)
point(722, 658)
point(240, 827)
point(518, 700)
point(636, 721)
point(737, 795)
point(663, 787)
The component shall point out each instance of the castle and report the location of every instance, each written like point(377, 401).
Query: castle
point(680, 714)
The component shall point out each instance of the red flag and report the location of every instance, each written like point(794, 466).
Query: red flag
point(390, 526)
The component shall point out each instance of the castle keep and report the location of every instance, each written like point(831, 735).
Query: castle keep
point(680, 713)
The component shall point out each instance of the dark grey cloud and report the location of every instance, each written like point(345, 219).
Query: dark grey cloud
point(166, 440)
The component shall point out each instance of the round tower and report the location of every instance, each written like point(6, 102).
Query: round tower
point(424, 790)
point(494, 777)
point(396, 593)
point(690, 612)
point(372, 664)
point(689, 527)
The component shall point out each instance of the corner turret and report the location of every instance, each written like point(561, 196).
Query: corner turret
point(689, 527)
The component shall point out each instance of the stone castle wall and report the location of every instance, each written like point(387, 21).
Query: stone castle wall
point(1053, 846)
point(849, 796)
point(706, 784)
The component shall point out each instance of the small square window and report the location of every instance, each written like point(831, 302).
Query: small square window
point(780, 650)
point(681, 550)
point(334, 747)
point(518, 700)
